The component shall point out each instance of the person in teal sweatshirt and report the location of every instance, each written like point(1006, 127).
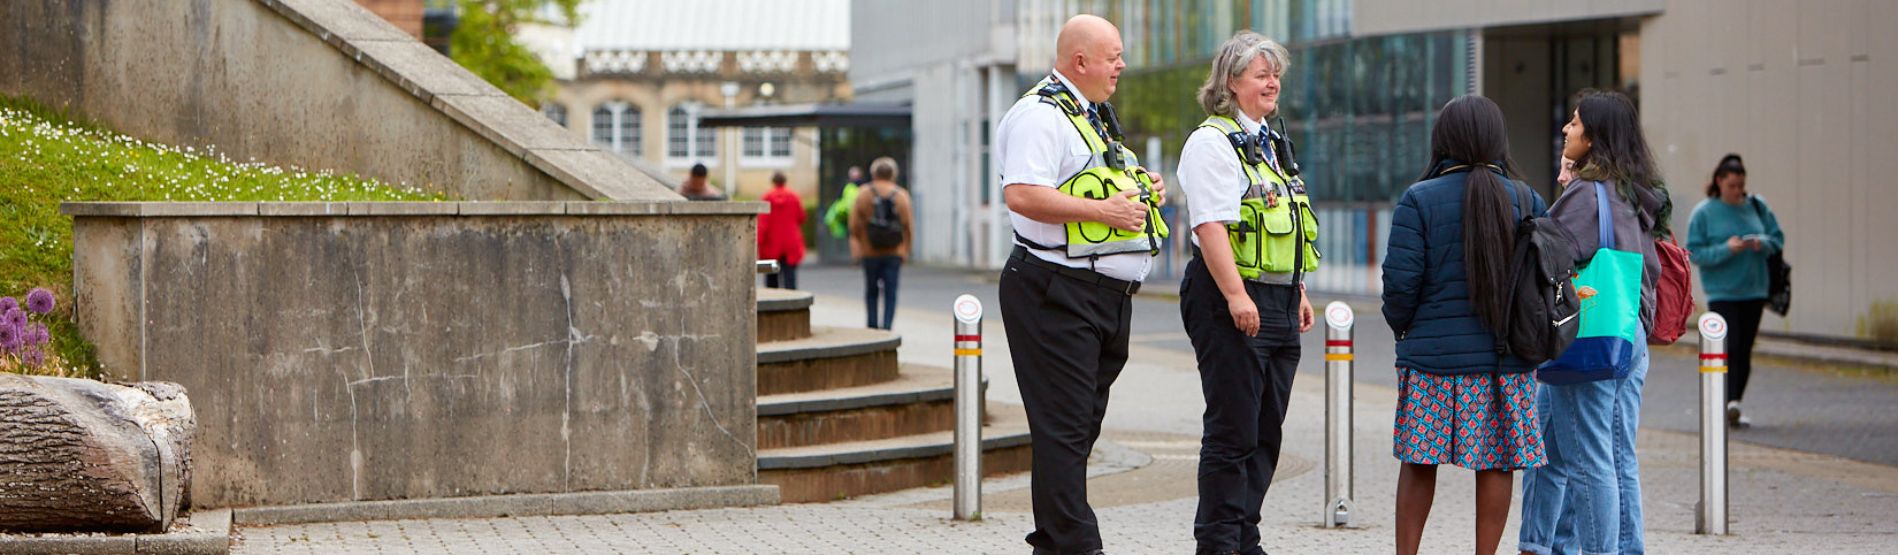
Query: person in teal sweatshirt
point(1729, 237)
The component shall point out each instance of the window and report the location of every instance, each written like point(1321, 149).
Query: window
point(685, 140)
point(767, 146)
point(555, 111)
point(780, 141)
point(616, 128)
point(603, 126)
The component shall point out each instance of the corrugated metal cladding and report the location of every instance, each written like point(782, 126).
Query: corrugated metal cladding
point(716, 25)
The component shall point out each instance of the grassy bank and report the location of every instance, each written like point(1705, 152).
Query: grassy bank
point(48, 157)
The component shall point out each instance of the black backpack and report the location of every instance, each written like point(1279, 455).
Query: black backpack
point(885, 229)
point(1542, 306)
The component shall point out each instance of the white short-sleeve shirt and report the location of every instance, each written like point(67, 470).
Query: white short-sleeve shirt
point(1036, 145)
point(1211, 176)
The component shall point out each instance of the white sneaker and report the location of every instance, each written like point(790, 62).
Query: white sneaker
point(1734, 417)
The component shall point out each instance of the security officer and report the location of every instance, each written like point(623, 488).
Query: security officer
point(1242, 297)
point(1086, 229)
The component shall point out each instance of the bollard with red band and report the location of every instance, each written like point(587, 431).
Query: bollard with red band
point(968, 447)
point(1339, 356)
point(1710, 515)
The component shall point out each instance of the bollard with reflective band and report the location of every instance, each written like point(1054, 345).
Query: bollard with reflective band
point(1710, 515)
point(1339, 355)
point(968, 352)
point(767, 266)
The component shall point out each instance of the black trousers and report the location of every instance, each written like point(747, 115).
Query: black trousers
point(1068, 340)
point(787, 276)
point(1743, 326)
point(1247, 382)
point(880, 277)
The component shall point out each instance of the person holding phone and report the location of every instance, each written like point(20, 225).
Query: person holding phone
point(1729, 238)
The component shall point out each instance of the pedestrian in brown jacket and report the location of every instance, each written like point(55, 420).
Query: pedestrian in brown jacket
point(880, 227)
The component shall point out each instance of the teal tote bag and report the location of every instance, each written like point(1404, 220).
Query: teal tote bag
point(1610, 287)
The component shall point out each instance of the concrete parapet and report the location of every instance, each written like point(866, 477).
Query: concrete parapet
point(401, 351)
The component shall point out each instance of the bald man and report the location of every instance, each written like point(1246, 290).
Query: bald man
point(1066, 307)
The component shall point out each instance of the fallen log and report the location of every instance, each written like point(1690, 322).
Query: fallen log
point(84, 456)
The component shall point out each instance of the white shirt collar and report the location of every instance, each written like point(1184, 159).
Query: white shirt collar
point(1085, 103)
point(1246, 123)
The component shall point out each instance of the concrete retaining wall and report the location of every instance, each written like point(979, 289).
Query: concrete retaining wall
point(370, 351)
point(320, 84)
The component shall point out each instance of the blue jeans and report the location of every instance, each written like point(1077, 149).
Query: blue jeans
point(879, 280)
point(1587, 499)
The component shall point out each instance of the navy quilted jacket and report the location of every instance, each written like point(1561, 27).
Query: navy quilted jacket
point(1426, 291)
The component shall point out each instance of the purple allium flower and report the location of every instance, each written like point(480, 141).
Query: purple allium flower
point(39, 335)
point(39, 300)
point(17, 319)
point(9, 337)
point(33, 356)
point(8, 303)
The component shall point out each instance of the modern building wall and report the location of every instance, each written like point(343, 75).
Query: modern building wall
point(1802, 91)
point(1798, 89)
point(958, 78)
point(1382, 17)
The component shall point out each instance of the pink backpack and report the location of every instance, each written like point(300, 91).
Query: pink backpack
point(1673, 293)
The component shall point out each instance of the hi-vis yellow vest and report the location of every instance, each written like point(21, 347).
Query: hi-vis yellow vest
point(1271, 237)
point(1109, 172)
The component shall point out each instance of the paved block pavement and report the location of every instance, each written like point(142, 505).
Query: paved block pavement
point(1783, 501)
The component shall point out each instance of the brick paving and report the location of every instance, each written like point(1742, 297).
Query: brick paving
point(1782, 501)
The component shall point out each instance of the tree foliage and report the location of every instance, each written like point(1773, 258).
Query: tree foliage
point(484, 43)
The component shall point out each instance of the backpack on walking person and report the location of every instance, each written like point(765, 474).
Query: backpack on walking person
point(1542, 305)
point(1673, 293)
point(885, 229)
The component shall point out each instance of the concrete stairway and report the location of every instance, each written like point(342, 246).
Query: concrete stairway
point(839, 417)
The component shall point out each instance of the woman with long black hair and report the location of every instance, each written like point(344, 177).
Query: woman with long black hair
point(1587, 499)
point(1445, 287)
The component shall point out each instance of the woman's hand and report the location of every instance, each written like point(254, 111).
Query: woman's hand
point(1735, 244)
point(1245, 315)
point(1304, 311)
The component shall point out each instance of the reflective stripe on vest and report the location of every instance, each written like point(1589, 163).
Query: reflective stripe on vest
point(1099, 181)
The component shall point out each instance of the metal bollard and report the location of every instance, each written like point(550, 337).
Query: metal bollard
point(767, 266)
point(1710, 515)
point(968, 349)
point(1338, 466)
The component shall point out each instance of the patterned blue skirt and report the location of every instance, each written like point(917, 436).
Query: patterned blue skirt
point(1461, 420)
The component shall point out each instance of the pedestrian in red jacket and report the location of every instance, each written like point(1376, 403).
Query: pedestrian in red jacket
point(781, 233)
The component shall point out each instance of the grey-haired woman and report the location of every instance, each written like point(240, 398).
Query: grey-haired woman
point(1242, 297)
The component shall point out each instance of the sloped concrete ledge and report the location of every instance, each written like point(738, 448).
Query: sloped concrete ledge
point(210, 534)
point(465, 98)
point(553, 504)
point(464, 208)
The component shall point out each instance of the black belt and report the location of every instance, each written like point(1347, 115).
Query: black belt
point(1083, 275)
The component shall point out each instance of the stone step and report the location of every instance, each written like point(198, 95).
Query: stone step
point(783, 315)
point(840, 470)
point(921, 400)
point(831, 358)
